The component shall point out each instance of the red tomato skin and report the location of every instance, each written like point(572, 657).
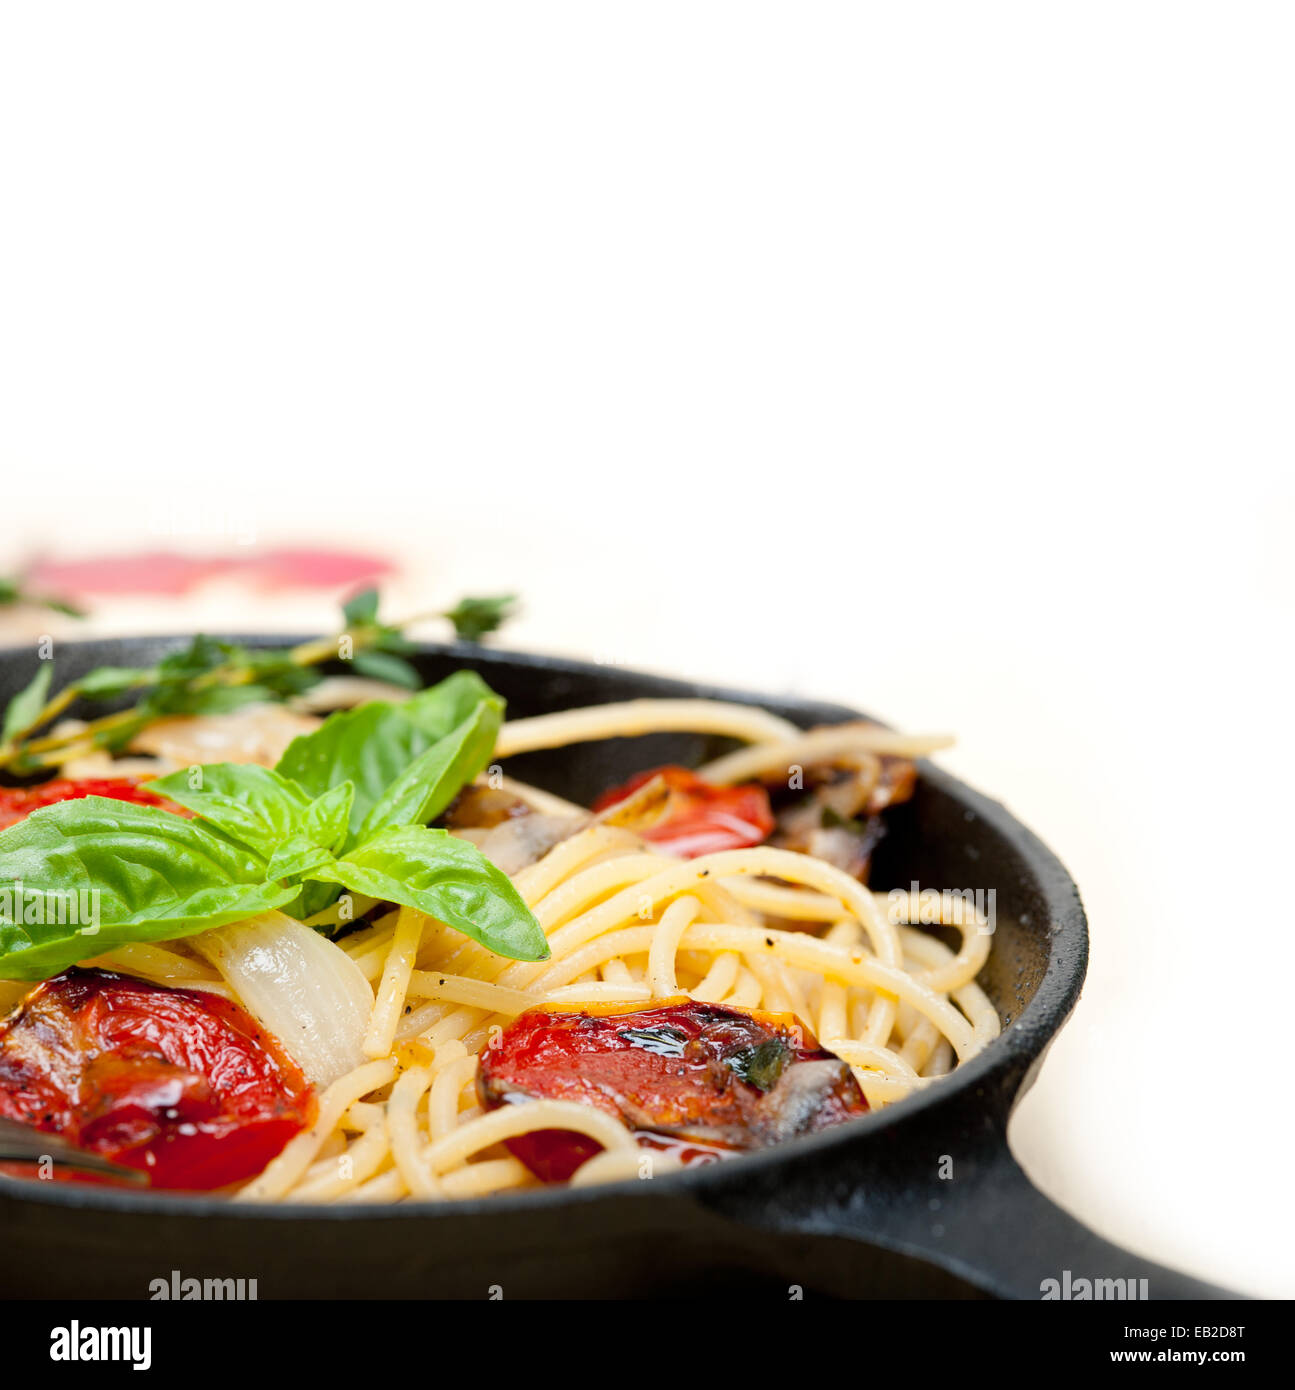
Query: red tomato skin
point(700, 818)
point(681, 1093)
point(17, 803)
point(178, 1083)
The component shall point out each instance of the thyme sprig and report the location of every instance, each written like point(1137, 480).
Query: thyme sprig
point(214, 677)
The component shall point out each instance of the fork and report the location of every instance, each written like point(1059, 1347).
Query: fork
point(24, 1144)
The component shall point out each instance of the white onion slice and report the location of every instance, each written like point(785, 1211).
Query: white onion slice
point(253, 734)
point(299, 986)
point(514, 844)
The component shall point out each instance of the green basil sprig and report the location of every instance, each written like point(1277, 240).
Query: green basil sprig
point(346, 807)
point(250, 804)
point(154, 875)
point(445, 877)
point(379, 747)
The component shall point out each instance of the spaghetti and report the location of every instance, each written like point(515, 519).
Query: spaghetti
point(630, 926)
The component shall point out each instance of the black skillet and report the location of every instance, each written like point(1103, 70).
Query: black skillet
point(922, 1199)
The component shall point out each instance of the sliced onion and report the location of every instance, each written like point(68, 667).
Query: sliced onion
point(345, 692)
point(513, 844)
point(641, 809)
point(299, 986)
point(254, 734)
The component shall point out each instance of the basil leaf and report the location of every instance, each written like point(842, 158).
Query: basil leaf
point(324, 831)
point(296, 858)
point(328, 816)
point(434, 778)
point(253, 805)
point(369, 747)
point(156, 875)
point(25, 707)
point(442, 706)
point(316, 897)
point(447, 878)
point(374, 744)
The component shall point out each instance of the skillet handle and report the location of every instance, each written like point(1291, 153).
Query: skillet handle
point(1002, 1236)
point(936, 1207)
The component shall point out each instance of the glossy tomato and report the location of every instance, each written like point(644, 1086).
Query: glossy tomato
point(700, 818)
point(179, 1083)
point(700, 1079)
point(17, 803)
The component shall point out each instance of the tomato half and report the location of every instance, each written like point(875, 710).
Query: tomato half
point(704, 1080)
point(179, 1083)
point(700, 818)
point(17, 803)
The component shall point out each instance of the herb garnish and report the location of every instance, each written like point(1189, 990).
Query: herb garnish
point(665, 1041)
point(14, 591)
point(347, 807)
point(213, 677)
point(762, 1065)
point(474, 618)
point(832, 820)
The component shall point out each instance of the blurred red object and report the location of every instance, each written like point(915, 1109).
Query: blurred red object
point(164, 572)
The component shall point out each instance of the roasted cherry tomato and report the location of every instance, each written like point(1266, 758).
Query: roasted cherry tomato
point(701, 1079)
point(17, 803)
point(700, 818)
point(181, 1084)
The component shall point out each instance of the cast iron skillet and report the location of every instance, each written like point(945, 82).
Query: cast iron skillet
point(922, 1199)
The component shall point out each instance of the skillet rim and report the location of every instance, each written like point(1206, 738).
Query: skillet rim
point(1015, 1050)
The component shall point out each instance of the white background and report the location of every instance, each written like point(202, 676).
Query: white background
point(934, 358)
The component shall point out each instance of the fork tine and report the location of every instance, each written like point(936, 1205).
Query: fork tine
point(21, 1143)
